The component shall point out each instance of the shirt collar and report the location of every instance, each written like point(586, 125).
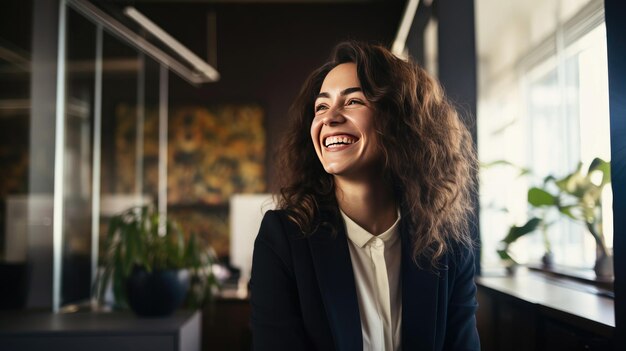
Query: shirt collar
point(362, 237)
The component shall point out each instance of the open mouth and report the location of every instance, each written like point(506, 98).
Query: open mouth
point(336, 141)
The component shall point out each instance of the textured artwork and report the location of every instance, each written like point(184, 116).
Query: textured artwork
point(213, 153)
point(209, 223)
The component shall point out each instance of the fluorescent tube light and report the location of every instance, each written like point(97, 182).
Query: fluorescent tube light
point(399, 43)
point(174, 44)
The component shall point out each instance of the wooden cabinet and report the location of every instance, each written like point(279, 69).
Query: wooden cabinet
point(563, 336)
point(528, 312)
point(226, 325)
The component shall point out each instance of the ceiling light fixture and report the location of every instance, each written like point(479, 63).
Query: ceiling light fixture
point(199, 64)
point(399, 43)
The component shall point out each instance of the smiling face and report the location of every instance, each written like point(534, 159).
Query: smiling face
point(343, 131)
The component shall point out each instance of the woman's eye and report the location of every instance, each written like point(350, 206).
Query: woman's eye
point(320, 108)
point(354, 102)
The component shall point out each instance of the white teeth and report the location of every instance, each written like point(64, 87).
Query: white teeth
point(339, 140)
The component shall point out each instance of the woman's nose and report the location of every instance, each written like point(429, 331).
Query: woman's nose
point(333, 116)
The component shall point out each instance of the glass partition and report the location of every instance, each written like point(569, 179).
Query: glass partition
point(120, 122)
point(83, 136)
point(120, 149)
point(80, 68)
point(150, 179)
point(127, 147)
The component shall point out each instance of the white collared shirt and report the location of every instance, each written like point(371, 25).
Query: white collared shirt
point(376, 266)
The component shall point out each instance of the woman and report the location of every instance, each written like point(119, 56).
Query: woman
point(369, 249)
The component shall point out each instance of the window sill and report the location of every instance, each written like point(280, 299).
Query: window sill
point(556, 297)
point(579, 279)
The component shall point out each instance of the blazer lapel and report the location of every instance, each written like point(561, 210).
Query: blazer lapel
point(419, 301)
point(333, 268)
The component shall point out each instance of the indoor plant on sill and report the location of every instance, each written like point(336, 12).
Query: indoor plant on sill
point(576, 196)
point(151, 266)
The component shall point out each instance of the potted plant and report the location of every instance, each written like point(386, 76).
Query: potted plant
point(576, 196)
point(151, 265)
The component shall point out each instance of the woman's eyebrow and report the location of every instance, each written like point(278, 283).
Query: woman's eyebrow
point(342, 93)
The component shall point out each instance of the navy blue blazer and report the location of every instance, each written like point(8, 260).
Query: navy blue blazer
point(303, 294)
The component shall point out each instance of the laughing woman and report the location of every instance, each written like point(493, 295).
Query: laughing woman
point(369, 249)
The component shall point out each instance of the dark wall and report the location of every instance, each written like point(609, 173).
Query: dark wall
point(264, 52)
point(616, 52)
point(456, 49)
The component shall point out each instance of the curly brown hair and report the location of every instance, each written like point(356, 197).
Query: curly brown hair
point(428, 152)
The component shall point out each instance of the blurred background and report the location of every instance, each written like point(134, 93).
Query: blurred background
point(106, 105)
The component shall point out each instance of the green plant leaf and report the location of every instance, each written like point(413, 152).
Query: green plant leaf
point(129, 252)
point(599, 164)
point(191, 256)
point(539, 197)
point(549, 178)
point(180, 244)
point(567, 210)
point(576, 183)
point(516, 232)
point(504, 255)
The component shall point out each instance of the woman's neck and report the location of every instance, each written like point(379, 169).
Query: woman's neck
point(370, 204)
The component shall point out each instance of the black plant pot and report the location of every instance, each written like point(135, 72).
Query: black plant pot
point(158, 293)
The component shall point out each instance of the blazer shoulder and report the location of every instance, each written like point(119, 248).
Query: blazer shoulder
point(277, 230)
point(277, 222)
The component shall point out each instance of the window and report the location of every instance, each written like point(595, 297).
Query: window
point(543, 107)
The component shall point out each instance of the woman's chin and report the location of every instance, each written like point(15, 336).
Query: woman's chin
point(333, 169)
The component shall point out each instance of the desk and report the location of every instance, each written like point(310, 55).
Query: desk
point(118, 331)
